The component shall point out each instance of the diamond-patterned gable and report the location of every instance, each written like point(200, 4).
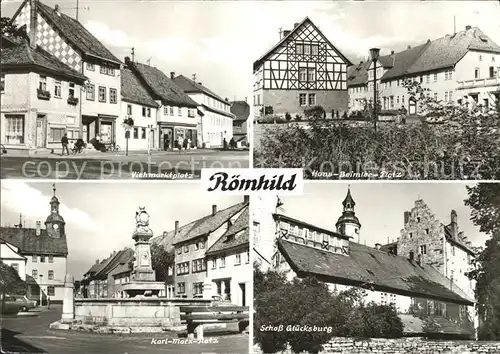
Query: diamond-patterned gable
point(49, 39)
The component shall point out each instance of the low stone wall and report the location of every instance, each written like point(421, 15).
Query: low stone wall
point(132, 312)
point(404, 346)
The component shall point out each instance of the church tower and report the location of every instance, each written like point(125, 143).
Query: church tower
point(348, 224)
point(55, 222)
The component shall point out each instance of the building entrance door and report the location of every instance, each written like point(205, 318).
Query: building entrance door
point(40, 131)
point(242, 294)
point(412, 106)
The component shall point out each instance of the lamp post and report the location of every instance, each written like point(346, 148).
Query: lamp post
point(41, 291)
point(374, 53)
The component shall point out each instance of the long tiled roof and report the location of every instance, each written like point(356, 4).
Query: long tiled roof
point(218, 111)
point(403, 62)
point(22, 55)
point(358, 74)
point(206, 224)
point(29, 243)
point(241, 109)
point(161, 86)
point(190, 86)
point(120, 257)
point(309, 226)
point(76, 34)
point(447, 51)
point(264, 57)
point(370, 267)
point(236, 236)
point(134, 91)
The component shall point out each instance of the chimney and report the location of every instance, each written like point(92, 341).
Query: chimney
point(453, 225)
point(295, 25)
point(407, 217)
point(97, 261)
point(199, 83)
point(165, 233)
point(214, 209)
point(377, 246)
point(361, 62)
point(127, 60)
point(246, 99)
point(38, 228)
point(467, 27)
point(176, 227)
point(286, 33)
point(226, 99)
point(392, 52)
point(172, 75)
point(33, 23)
point(57, 10)
point(461, 235)
point(409, 46)
point(246, 199)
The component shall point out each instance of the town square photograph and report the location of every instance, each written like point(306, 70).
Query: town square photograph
point(166, 269)
point(377, 268)
point(156, 91)
point(362, 90)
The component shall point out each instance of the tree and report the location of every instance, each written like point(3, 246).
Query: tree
point(484, 199)
point(161, 260)
point(10, 29)
point(10, 283)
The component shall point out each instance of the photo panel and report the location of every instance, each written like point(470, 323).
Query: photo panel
point(166, 269)
point(375, 267)
point(345, 93)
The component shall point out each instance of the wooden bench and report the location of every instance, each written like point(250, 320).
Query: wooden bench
point(196, 316)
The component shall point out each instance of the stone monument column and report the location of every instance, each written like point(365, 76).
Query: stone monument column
point(68, 311)
point(143, 270)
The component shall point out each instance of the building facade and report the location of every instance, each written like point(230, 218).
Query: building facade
point(467, 75)
point(11, 256)
point(39, 98)
point(191, 245)
point(45, 251)
point(302, 70)
point(242, 122)
point(138, 107)
point(73, 45)
point(177, 114)
point(228, 263)
point(216, 119)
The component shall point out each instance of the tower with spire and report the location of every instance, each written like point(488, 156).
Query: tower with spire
point(55, 222)
point(348, 224)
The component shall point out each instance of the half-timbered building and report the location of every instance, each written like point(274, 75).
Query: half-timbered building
point(302, 70)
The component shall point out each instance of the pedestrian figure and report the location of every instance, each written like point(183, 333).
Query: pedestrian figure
point(179, 143)
point(64, 142)
point(224, 144)
point(48, 302)
point(232, 144)
point(189, 144)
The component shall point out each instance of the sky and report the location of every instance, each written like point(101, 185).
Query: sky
point(380, 207)
point(100, 217)
point(219, 40)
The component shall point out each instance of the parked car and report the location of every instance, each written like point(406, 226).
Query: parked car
point(17, 303)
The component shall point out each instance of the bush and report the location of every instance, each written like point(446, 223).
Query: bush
point(298, 118)
point(316, 112)
point(308, 302)
point(288, 117)
point(463, 144)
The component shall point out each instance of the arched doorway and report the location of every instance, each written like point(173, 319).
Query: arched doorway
point(412, 106)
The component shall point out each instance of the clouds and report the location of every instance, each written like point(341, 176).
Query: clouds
point(19, 197)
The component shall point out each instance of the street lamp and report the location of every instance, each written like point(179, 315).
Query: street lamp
point(41, 291)
point(374, 53)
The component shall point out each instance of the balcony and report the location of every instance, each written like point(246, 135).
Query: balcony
point(492, 81)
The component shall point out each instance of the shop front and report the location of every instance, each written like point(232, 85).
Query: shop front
point(173, 135)
point(103, 126)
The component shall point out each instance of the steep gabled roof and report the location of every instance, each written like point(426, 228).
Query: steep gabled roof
point(22, 55)
point(448, 50)
point(161, 86)
point(264, 57)
point(403, 61)
point(190, 86)
point(75, 33)
point(134, 91)
point(120, 257)
point(236, 236)
point(207, 224)
point(366, 266)
point(241, 109)
point(28, 242)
